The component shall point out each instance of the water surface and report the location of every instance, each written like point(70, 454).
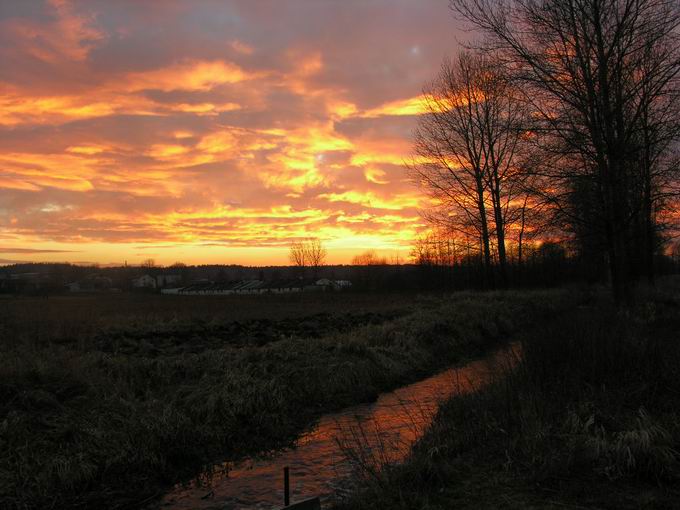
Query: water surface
point(325, 458)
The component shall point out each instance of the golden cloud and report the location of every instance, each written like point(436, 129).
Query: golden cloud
point(368, 199)
point(188, 75)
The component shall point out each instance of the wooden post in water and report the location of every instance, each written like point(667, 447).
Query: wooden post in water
point(286, 486)
point(307, 504)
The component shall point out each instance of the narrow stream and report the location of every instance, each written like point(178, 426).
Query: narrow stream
point(324, 459)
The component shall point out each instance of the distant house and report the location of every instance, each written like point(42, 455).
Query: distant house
point(326, 283)
point(160, 281)
point(144, 282)
point(168, 280)
point(74, 287)
point(92, 283)
point(282, 286)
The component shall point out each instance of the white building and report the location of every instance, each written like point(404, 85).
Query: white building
point(144, 282)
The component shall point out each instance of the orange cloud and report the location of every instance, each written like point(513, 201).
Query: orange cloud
point(368, 199)
point(410, 106)
point(188, 75)
point(17, 109)
point(197, 143)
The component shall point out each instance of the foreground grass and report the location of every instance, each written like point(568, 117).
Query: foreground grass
point(106, 416)
point(589, 418)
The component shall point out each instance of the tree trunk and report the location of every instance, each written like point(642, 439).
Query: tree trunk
point(485, 236)
point(647, 209)
point(500, 237)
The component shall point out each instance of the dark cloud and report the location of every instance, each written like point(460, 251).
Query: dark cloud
point(33, 250)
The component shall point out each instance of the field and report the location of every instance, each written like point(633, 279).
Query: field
point(83, 319)
point(106, 400)
point(589, 418)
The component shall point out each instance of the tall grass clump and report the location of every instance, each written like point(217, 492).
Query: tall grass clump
point(597, 392)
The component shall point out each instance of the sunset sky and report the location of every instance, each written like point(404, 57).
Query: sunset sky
point(211, 131)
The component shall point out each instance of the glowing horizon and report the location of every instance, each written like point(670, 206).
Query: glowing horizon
point(217, 132)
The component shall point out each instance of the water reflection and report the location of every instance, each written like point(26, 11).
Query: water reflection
point(324, 459)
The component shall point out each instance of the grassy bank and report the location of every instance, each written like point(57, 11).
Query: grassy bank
point(590, 418)
point(103, 412)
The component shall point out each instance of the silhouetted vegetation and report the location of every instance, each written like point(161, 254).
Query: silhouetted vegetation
point(563, 122)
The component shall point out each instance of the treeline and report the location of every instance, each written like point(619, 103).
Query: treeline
point(545, 266)
point(562, 124)
point(446, 263)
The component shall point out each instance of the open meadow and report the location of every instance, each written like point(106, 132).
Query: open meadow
point(106, 400)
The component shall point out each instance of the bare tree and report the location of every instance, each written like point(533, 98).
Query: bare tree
point(595, 73)
point(437, 248)
point(314, 253)
point(148, 264)
point(369, 258)
point(307, 253)
point(658, 166)
point(296, 254)
point(466, 148)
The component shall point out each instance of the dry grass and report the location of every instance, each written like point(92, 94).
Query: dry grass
point(587, 419)
point(103, 407)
